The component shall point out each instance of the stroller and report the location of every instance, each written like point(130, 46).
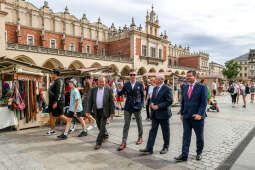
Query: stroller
point(213, 106)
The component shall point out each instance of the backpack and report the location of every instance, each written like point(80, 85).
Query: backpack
point(231, 89)
point(247, 90)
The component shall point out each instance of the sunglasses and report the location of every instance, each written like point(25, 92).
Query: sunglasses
point(132, 74)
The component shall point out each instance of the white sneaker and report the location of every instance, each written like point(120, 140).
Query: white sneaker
point(72, 129)
point(50, 132)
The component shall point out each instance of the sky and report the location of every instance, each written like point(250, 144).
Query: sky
point(223, 28)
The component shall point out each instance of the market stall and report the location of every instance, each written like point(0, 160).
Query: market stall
point(24, 89)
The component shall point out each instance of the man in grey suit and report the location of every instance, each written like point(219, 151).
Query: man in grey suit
point(101, 103)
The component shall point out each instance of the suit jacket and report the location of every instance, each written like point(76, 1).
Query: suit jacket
point(108, 104)
point(163, 100)
point(197, 102)
point(134, 97)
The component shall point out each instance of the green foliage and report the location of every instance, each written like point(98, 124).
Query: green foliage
point(231, 70)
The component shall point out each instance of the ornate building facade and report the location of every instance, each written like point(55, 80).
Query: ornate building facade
point(60, 40)
point(247, 63)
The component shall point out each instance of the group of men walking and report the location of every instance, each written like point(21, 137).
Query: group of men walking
point(100, 102)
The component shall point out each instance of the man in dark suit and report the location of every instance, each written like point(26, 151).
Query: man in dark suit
point(134, 92)
point(160, 103)
point(193, 113)
point(101, 103)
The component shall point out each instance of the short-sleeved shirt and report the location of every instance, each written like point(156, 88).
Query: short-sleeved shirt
point(150, 91)
point(75, 95)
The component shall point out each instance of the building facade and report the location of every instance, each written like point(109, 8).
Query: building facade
point(199, 61)
point(215, 70)
point(60, 40)
point(247, 63)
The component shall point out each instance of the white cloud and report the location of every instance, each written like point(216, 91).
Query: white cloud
point(224, 28)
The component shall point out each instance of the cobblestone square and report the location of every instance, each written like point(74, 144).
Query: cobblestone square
point(224, 131)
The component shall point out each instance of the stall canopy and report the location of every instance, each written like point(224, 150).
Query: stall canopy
point(152, 74)
point(8, 65)
point(83, 71)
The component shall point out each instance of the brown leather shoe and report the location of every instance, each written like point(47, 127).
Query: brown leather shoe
point(122, 146)
point(97, 147)
point(139, 141)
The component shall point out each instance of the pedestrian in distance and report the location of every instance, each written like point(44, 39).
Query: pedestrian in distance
point(252, 91)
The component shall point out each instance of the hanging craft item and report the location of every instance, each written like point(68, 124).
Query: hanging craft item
point(18, 102)
point(26, 101)
point(35, 100)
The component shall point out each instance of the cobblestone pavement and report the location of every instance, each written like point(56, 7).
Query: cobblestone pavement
point(28, 149)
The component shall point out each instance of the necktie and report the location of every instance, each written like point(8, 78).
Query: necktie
point(157, 89)
point(190, 91)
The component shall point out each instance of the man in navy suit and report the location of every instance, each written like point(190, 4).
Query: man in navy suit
point(160, 103)
point(134, 92)
point(193, 113)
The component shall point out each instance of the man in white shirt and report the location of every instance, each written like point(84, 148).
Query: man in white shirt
point(214, 88)
point(148, 97)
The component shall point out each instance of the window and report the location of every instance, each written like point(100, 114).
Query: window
point(144, 50)
point(153, 52)
point(30, 40)
point(53, 43)
point(245, 74)
point(88, 49)
point(102, 52)
point(241, 75)
point(160, 53)
point(245, 68)
point(72, 47)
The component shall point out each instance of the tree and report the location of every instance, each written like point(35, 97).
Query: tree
point(231, 70)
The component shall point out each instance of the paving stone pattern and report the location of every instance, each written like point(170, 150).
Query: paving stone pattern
point(29, 150)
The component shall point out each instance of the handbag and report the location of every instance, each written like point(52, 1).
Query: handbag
point(18, 103)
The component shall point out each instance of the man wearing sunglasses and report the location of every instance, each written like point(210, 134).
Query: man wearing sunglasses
point(134, 92)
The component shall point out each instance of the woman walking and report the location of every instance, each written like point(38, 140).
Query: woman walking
point(86, 92)
point(233, 90)
point(252, 91)
point(244, 90)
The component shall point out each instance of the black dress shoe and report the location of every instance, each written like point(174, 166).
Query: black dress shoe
point(181, 158)
point(164, 151)
point(199, 157)
point(146, 151)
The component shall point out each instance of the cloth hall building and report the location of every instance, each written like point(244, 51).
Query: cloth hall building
point(60, 40)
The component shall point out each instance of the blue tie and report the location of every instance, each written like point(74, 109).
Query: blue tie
point(157, 89)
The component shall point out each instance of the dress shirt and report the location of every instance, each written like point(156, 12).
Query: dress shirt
point(160, 87)
point(100, 98)
point(192, 86)
point(150, 91)
point(133, 85)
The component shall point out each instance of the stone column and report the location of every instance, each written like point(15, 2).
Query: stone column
point(2, 32)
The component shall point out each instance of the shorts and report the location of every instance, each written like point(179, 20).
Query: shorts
point(71, 114)
point(214, 92)
point(59, 110)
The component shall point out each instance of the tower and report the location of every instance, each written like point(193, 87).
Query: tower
point(152, 23)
